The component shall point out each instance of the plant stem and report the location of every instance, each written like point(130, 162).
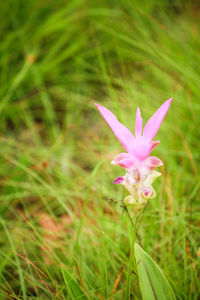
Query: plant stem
point(131, 257)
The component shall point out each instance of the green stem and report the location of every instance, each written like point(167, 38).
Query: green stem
point(131, 257)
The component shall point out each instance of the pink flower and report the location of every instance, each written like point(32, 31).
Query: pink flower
point(139, 166)
point(138, 147)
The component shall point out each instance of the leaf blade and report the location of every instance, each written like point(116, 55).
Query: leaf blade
point(153, 283)
point(73, 288)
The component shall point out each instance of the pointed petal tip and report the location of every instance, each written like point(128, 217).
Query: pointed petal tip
point(138, 122)
point(97, 105)
point(152, 126)
point(155, 142)
point(123, 134)
point(138, 110)
point(169, 100)
point(118, 180)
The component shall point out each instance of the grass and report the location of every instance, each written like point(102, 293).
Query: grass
point(57, 59)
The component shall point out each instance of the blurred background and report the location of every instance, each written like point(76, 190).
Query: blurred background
point(58, 204)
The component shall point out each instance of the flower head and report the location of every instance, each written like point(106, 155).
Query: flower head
point(137, 162)
point(139, 146)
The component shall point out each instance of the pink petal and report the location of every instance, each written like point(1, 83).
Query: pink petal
point(153, 145)
point(153, 162)
point(146, 191)
point(149, 192)
point(138, 123)
point(123, 134)
point(118, 180)
point(143, 148)
point(154, 123)
point(124, 160)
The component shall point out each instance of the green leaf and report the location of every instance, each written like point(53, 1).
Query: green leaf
point(73, 288)
point(153, 283)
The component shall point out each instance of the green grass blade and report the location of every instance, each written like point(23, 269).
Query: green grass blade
point(73, 288)
point(153, 283)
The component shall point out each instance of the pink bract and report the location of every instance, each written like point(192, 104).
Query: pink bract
point(139, 146)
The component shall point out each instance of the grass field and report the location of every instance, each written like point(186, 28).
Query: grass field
point(58, 204)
